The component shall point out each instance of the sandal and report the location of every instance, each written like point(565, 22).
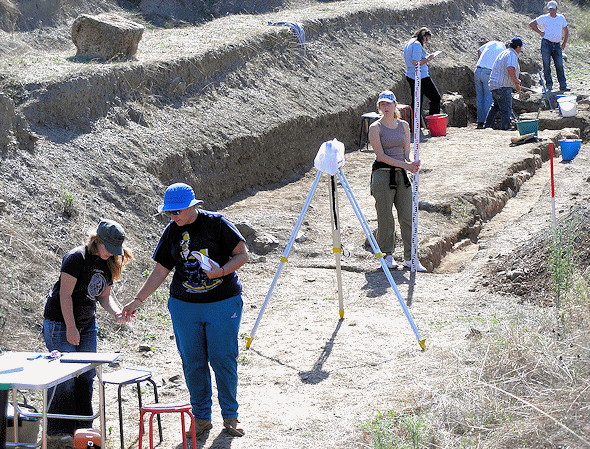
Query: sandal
point(231, 425)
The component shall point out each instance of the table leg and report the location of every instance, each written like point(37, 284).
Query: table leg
point(3, 410)
point(15, 415)
point(101, 404)
point(44, 420)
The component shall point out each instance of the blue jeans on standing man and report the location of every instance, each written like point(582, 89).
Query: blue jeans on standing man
point(74, 396)
point(503, 103)
point(207, 334)
point(481, 77)
point(552, 50)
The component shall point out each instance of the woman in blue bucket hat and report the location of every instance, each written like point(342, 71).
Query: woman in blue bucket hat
point(86, 276)
point(204, 249)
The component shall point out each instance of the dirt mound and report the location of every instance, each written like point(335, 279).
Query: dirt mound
point(526, 272)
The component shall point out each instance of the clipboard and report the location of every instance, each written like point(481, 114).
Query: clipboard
point(206, 262)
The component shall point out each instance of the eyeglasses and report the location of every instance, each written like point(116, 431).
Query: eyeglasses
point(173, 212)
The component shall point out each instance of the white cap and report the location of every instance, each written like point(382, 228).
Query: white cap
point(552, 5)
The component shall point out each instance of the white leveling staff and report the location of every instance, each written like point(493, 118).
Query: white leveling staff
point(416, 158)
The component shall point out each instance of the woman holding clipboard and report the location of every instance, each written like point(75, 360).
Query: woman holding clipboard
point(415, 52)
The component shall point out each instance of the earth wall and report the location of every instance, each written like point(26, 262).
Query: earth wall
point(255, 111)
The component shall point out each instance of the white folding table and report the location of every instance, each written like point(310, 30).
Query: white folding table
point(41, 374)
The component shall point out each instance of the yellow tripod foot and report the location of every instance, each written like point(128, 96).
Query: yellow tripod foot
point(422, 343)
point(248, 342)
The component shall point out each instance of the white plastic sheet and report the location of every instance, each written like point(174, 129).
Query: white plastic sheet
point(330, 157)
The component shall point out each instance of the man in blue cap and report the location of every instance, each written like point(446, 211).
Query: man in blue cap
point(554, 33)
point(503, 80)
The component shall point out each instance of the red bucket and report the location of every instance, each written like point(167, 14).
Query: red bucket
point(437, 124)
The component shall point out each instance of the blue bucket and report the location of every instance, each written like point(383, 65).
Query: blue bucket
point(569, 148)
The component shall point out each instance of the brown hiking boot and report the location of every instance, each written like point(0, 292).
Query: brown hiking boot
point(201, 426)
point(231, 425)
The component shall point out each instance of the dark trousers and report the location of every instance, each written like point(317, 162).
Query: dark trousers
point(502, 103)
point(428, 89)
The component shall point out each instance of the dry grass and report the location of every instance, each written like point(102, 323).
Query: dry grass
point(527, 387)
point(521, 383)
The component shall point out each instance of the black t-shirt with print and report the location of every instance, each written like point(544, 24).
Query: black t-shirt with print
point(210, 234)
point(92, 278)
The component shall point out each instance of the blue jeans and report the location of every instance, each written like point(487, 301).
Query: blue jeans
point(503, 103)
point(74, 396)
point(481, 77)
point(207, 333)
point(552, 50)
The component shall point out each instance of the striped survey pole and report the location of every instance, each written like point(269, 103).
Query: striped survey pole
point(416, 158)
point(552, 186)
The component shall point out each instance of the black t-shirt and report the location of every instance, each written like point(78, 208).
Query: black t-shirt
point(210, 234)
point(92, 278)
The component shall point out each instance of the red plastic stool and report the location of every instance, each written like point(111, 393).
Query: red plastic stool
point(170, 407)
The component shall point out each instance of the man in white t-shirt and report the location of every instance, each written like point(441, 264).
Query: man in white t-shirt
point(554, 33)
point(486, 54)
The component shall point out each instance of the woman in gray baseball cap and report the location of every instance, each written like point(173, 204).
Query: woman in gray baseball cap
point(86, 276)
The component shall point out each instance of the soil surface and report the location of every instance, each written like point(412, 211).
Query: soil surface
point(309, 378)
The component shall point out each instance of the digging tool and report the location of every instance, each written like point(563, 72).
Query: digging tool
point(544, 88)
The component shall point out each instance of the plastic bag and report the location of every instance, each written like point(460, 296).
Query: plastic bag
point(330, 157)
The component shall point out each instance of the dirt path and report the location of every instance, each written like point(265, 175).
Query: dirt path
point(310, 380)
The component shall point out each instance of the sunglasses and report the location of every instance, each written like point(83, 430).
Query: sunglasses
point(173, 212)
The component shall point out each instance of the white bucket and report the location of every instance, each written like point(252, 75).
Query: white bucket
point(568, 106)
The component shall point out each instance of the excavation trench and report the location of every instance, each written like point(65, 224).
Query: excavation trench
point(248, 112)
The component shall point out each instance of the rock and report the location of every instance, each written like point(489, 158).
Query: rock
point(105, 36)
point(264, 243)
point(246, 229)
point(15, 132)
point(454, 106)
point(301, 237)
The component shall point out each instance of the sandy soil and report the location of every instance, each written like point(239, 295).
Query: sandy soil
point(310, 379)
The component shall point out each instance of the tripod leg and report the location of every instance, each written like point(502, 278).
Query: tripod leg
point(379, 255)
point(284, 258)
point(336, 244)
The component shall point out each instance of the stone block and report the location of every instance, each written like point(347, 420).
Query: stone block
point(454, 106)
point(105, 37)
